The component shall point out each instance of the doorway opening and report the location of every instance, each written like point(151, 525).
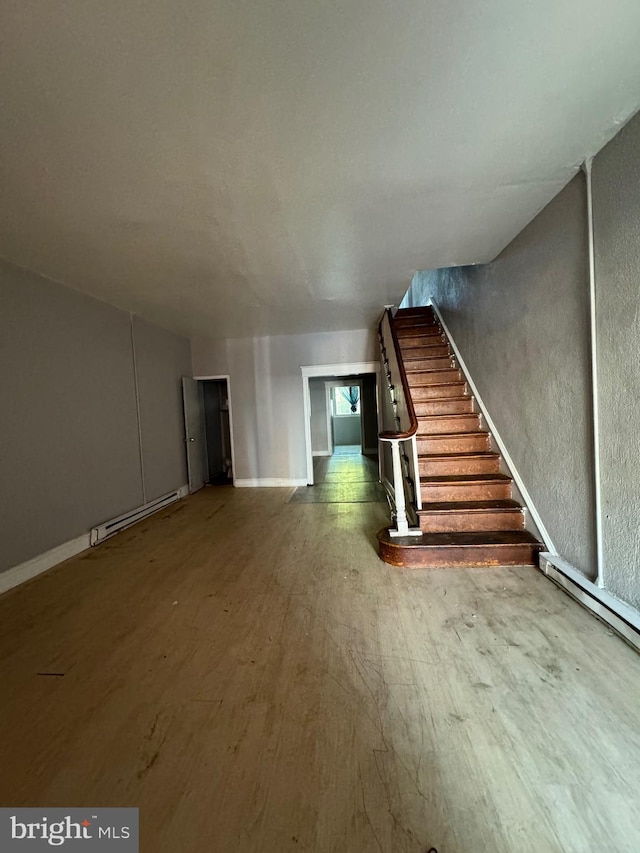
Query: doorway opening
point(208, 431)
point(341, 415)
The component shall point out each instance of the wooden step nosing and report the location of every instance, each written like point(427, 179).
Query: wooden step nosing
point(457, 415)
point(446, 400)
point(463, 456)
point(470, 545)
point(503, 510)
point(491, 538)
point(466, 479)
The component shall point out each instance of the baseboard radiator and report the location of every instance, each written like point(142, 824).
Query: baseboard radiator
point(624, 620)
point(110, 528)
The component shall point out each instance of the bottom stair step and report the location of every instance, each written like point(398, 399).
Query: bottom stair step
point(470, 516)
point(470, 550)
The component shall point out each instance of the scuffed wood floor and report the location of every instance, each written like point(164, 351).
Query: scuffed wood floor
point(248, 673)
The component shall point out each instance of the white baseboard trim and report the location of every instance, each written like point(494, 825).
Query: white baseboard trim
point(43, 562)
point(526, 497)
point(269, 483)
point(321, 453)
point(624, 620)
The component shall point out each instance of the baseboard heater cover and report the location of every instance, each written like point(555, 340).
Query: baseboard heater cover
point(624, 620)
point(121, 522)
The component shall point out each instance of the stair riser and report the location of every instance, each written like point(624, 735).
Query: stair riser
point(444, 425)
point(434, 377)
point(429, 392)
point(459, 465)
point(453, 444)
point(461, 556)
point(443, 407)
point(476, 522)
point(437, 363)
point(465, 491)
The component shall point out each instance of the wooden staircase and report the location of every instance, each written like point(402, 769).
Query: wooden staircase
point(468, 515)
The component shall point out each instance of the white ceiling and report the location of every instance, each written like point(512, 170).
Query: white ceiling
point(241, 167)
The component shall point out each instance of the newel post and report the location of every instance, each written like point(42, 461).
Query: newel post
point(402, 524)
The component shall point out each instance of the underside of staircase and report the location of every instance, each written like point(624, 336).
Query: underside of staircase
point(468, 516)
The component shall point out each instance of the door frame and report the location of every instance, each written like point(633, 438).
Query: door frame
point(233, 449)
point(330, 372)
point(330, 385)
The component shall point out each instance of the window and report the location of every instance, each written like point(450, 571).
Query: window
point(346, 400)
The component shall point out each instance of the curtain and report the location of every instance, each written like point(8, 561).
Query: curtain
point(351, 395)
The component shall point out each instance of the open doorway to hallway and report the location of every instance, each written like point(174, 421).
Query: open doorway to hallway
point(347, 476)
point(342, 416)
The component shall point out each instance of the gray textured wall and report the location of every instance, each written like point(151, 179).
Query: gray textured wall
point(267, 392)
point(69, 452)
point(162, 359)
point(616, 189)
point(522, 325)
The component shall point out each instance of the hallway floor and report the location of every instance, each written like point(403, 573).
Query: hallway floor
point(248, 673)
point(347, 476)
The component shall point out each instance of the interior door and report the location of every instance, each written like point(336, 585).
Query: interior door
point(194, 433)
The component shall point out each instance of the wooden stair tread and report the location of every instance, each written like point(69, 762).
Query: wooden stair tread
point(466, 478)
point(495, 538)
point(469, 506)
point(431, 370)
point(465, 397)
point(416, 329)
point(444, 417)
point(416, 374)
point(463, 455)
point(461, 382)
point(435, 391)
point(454, 549)
point(428, 343)
point(416, 321)
point(443, 436)
point(419, 356)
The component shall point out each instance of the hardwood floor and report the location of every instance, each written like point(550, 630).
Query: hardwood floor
point(253, 677)
point(347, 476)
